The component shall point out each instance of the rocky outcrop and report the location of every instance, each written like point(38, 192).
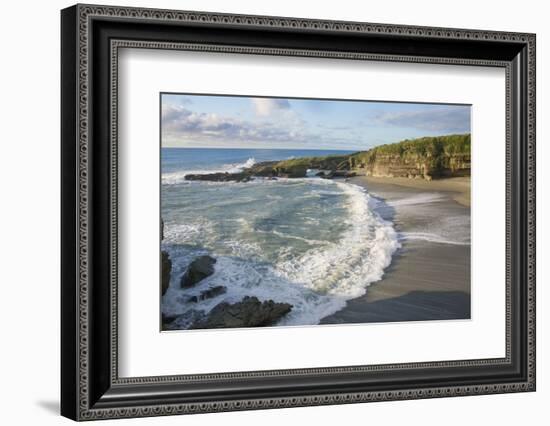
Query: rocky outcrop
point(333, 174)
point(416, 167)
point(166, 270)
point(396, 166)
point(221, 177)
point(165, 264)
point(249, 312)
point(209, 293)
point(167, 319)
point(423, 158)
point(199, 269)
point(289, 169)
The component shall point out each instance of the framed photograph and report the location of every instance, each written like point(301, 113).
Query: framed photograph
point(263, 212)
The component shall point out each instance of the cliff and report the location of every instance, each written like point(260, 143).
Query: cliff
point(422, 158)
point(427, 158)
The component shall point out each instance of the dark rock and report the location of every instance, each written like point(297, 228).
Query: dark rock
point(263, 169)
point(208, 293)
point(213, 292)
point(249, 312)
point(296, 172)
point(332, 174)
point(220, 177)
point(422, 158)
point(181, 321)
point(166, 270)
point(199, 269)
point(167, 319)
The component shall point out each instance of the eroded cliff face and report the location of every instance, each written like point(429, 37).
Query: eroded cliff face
point(423, 158)
point(415, 167)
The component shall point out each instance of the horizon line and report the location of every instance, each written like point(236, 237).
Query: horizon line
point(320, 149)
point(271, 149)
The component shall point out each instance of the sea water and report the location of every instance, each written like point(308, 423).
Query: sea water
point(310, 242)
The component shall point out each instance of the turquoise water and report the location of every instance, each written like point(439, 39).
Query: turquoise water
point(310, 242)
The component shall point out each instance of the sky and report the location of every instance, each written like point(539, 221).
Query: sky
point(208, 121)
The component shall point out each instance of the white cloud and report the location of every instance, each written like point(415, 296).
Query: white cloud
point(450, 119)
point(178, 121)
point(265, 107)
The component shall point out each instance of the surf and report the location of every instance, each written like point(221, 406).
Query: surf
point(283, 255)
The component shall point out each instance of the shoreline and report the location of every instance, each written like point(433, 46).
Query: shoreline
point(429, 275)
point(457, 187)
point(426, 280)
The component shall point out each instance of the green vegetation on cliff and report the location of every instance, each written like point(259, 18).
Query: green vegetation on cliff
point(434, 148)
point(427, 157)
point(424, 158)
point(298, 166)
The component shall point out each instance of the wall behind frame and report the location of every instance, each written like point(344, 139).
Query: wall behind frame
point(29, 218)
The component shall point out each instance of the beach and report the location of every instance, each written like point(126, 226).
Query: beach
point(308, 250)
point(308, 242)
point(270, 216)
point(429, 276)
point(458, 188)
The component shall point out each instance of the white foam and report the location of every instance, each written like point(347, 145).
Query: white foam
point(326, 192)
point(295, 237)
point(358, 259)
point(423, 198)
point(174, 178)
point(243, 278)
point(430, 237)
point(182, 233)
point(318, 283)
point(236, 168)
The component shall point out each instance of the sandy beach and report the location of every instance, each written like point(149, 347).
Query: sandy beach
point(457, 188)
point(429, 277)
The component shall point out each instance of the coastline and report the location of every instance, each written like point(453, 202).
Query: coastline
point(427, 279)
point(457, 187)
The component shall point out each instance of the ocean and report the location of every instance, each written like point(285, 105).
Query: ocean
point(310, 242)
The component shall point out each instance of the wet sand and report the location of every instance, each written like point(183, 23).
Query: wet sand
point(457, 188)
point(429, 277)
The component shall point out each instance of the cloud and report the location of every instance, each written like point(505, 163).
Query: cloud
point(443, 119)
point(180, 122)
point(265, 107)
point(176, 99)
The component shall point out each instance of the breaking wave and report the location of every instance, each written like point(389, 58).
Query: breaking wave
point(283, 254)
point(174, 178)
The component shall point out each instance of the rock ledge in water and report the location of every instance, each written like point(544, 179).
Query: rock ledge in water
point(249, 312)
point(166, 263)
point(209, 293)
point(199, 269)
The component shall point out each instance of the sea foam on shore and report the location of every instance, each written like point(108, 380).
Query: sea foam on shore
point(310, 242)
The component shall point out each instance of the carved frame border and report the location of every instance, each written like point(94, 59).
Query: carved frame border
point(85, 14)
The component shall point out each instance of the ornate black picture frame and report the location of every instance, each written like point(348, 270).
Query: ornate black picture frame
point(91, 36)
